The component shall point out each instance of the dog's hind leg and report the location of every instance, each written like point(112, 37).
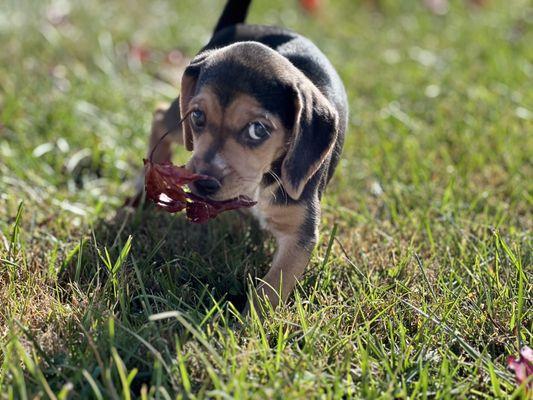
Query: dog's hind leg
point(165, 132)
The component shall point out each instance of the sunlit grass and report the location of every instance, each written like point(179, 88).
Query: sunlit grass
point(421, 283)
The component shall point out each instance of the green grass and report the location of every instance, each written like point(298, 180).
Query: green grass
point(420, 286)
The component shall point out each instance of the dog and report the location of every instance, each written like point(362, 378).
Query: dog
point(265, 114)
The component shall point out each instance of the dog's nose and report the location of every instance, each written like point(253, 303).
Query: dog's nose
point(206, 187)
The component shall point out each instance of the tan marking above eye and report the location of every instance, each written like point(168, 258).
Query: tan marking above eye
point(237, 116)
point(245, 109)
point(207, 102)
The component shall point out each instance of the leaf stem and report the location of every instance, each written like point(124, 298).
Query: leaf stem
point(165, 135)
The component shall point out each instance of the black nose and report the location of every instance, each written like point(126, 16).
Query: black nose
point(207, 187)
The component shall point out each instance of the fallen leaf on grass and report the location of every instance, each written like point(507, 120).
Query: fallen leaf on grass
point(310, 6)
point(522, 366)
point(139, 53)
point(164, 186)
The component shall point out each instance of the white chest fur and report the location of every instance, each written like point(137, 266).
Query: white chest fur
point(260, 210)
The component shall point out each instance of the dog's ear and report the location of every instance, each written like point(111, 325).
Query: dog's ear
point(313, 136)
point(188, 88)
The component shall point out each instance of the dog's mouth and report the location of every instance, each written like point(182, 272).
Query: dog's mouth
point(224, 196)
point(227, 192)
point(221, 198)
point(245, 200)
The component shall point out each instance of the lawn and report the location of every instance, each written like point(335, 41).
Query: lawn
point(420, 285)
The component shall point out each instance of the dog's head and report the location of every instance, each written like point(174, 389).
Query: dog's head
point(247, 109)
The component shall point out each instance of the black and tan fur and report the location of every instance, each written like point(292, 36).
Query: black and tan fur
point(250, 73)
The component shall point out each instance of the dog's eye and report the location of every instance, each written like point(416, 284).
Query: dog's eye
point(198, 118)
point(257, 131)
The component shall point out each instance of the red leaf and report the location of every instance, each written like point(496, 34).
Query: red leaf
point(164, 186)
point(522, 366)
point(310, 5)
point(140, 53)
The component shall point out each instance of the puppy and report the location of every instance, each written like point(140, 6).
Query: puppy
point(265, 115)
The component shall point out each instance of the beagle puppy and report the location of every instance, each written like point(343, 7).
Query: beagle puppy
point(265, 115)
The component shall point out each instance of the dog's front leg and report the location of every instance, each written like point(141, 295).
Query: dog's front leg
point(288, 266)
point(295, 230)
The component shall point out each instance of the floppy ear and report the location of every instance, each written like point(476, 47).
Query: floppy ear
point(188, 88)
point(313, 136)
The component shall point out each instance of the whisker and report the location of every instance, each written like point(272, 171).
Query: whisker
point(280, 185)
point(246, 179)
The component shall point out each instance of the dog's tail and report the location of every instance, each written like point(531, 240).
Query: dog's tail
point(234, 13)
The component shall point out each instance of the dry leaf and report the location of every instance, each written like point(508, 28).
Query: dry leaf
point(164, 186)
